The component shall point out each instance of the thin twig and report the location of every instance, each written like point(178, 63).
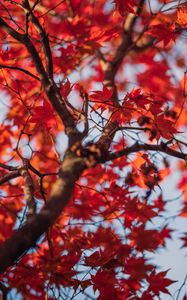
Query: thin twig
point(19, 69)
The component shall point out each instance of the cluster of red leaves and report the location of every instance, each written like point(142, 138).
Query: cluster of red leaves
point(148, 109)
point(82, 256)
point(105, 232)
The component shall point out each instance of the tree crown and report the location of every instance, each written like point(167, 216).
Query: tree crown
point(93, 100)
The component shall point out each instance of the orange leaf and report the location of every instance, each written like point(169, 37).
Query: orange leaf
point(181, 18)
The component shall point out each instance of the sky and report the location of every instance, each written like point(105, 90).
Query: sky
point(173, 257)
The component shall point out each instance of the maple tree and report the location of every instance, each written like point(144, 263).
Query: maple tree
point(93, 112)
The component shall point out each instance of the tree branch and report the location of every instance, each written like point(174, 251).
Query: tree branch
point(7, 167)
point(48, 84)
point(26, 237)
point(43, 36)
point(9, 176)
point(145, 147)
point(111, 68)
point(15, 34)
point(28, 188)
point(19, 69)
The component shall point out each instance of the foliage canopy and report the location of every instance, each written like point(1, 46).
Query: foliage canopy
point(93, 100)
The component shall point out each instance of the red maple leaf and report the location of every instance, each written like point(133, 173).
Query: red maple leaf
point(125, 6)
point(65, 89)
point(163, 32)
point(159, 283)
point(43, 115)
point(102, 98)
